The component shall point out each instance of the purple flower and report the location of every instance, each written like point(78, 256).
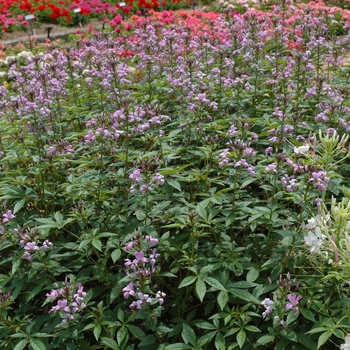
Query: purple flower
point(46, 244)
point(144, 297)
point(320, 180)
point(158, 178)
point(130, 245)
point(232, 131)
point(129, 290)
point(242, 163)
point(31, 247)
point(293, 302)
point(271, 168)
point(140, 258)
point(136, 305)
point(136, 175)
point(160, 296)
point(268, 151)
point(267, 302)
point(152, 239)
point(7, 216)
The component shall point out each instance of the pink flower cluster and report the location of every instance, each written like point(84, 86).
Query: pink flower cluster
point(29, 242)
point(140, 270)
point(71, 300)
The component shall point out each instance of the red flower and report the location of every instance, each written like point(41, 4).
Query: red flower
point(26, 6)
point(84, 11)
point(54, 15)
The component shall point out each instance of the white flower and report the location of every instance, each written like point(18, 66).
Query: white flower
point(346, 346)
point(315, 240)
point(301, 150)
point(311, 224)
point(316, 221)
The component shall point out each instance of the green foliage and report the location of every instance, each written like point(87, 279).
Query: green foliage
point(163, 198)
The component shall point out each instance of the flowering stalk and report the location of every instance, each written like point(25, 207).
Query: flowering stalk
point(140, 271)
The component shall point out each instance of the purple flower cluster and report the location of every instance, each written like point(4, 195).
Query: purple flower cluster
point(8, 216)
point(70, 300)
point(140, 270)
point(267, 302)
point(293, 302)
point(289, 183)
point(141, 186)
point(320, 180)
point(29, 243)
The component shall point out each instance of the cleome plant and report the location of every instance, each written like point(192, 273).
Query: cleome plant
point(182, 184)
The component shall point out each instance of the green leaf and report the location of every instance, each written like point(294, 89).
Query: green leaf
point(220, 342)
point(174, 183)
point(37, 344)
point(120, 315)
point(187, 281)
point(116, 255)
point(188, 335)
point(201, 289)
point(203, 324)
point(323, 338)
point(19, 335)
point(287, 241)
point(214, 283)
point(317, 330)
point(178, 346)
point(121, 334)
point(21, 344)
point(201, 211)
point(111, 343)
point(252, 275)
point(97, 244)
point(308, 315)
point(241, 337)
point(18, 206)
point(150, 339)
point(18, 289)
point(247, 182)
point(34, 292)
point(265, 339)
point(206, 338)
point(48, 223)
point(137, 332)
point(242, 284)
point(15, 265)
point(59, 218)
point(252, 328)
point(292, 316)
point(306, 341)
point(97, 331)
point(243, 295)
point(222, 299)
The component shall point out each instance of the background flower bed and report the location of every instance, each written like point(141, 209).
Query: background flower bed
point(171, 186)
point(13, 12)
